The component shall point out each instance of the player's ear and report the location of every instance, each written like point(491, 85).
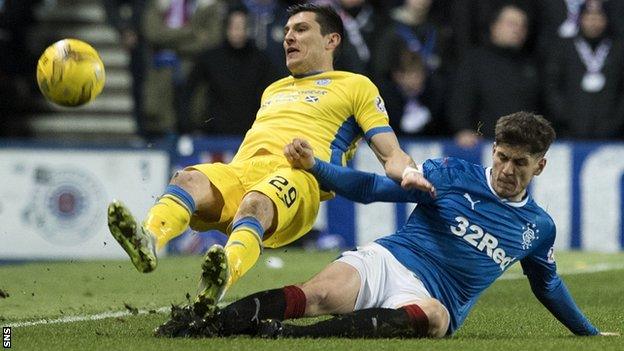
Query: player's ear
point(333, 40)
point(541, 164)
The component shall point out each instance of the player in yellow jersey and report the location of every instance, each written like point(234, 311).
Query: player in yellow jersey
point(258, 199)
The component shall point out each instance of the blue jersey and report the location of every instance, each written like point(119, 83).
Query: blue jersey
point(465, 238)
point(459, 243)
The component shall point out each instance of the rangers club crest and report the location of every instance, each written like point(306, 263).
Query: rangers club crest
point(65, 205)
point(529, 234)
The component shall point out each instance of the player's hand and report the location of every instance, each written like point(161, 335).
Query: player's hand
point(413, 179)
point(300, 154)
point(609, 334)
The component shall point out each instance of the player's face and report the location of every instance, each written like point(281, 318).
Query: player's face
point(306, 49)
point(512, 170)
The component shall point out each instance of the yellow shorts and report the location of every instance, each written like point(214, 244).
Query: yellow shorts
point(294, 192)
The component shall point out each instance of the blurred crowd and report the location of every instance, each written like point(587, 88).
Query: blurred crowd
point(17, 72)
point(444, 67)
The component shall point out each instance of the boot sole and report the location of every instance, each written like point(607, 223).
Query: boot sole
point(124, 229)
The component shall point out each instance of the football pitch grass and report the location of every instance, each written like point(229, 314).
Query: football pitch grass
point(80, 305)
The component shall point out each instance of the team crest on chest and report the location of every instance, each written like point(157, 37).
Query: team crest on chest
point(323, 82)
point(529, 234)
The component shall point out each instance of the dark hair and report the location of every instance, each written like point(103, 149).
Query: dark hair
point(326, 16)
point(231, 9)
point(498, 11)
point(527, 130)
point(237, 7)
point(592, 5)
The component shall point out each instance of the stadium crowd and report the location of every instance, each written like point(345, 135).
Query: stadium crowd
point(444, 68)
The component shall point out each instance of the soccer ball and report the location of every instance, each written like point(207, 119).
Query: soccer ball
point(70, 73)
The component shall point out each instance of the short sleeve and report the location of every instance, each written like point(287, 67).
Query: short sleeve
point(369, 109)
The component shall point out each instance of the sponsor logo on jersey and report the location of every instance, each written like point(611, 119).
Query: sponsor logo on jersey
point(284, 98)
point(472, 203)
point(529, 234)
point(484, 242)
point(312, 92)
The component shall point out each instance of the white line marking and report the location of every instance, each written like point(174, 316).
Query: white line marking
point(599, 267)
point(92, 317)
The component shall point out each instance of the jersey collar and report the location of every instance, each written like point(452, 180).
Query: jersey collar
point(304, 75)
point(488, 175)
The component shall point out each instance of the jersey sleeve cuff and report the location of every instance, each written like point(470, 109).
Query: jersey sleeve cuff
point(373, 131)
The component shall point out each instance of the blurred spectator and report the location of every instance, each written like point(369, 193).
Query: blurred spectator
point(558, 19)
point(494, 80)
point(412, 29)
point(440, 12)
point(17, 66)
point(267, 20)
point(471, 20)
point(615, 15)
point(236, 74)
point(175, 31)
point(413, 109)
point(362, 25)
point(585, 80)
point(125, 17)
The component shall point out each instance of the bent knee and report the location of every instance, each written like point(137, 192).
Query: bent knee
point(260, 206)
point(256, 201)
point(207, 198)
point(437, 315)
point(190, 180)
point(317, 298)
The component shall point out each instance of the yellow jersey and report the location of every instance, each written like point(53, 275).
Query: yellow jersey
point(333, 110)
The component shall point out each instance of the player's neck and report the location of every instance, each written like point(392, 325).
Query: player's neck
point(307, 74)
point(517, 198)
point(313, 71)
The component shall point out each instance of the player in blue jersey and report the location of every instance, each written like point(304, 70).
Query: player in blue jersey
point(423, 280)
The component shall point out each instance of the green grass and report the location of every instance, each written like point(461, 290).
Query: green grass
point(506, 317)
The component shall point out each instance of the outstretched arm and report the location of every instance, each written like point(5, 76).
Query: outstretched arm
point(397, 164)
point(388, 151)
point(553, 294)
point(360, 186)
point(354, 185)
